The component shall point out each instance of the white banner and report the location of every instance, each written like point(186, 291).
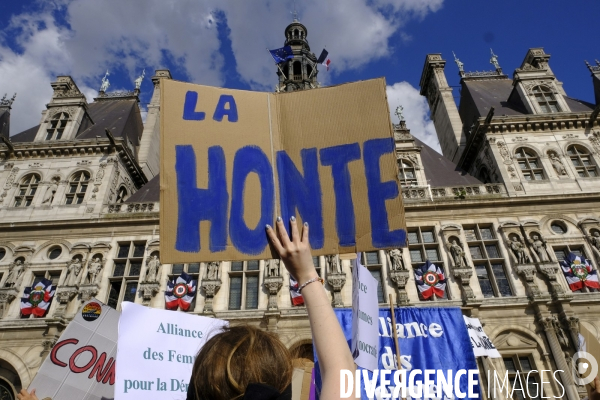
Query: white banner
point(81, 365)
point(365, 317)
point(482, 345)
point(156, 351)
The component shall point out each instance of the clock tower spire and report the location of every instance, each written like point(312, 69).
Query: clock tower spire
point(299, 72)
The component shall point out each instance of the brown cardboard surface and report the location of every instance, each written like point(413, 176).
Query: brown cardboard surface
point(318, 118)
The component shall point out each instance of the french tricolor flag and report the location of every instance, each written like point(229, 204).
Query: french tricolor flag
point(324, 59)
point(180, 292)
point(579, 272)
point(297, 299)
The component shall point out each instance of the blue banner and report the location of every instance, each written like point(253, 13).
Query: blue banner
point(433, 342)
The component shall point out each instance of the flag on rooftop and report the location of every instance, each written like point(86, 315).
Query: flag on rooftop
point(324, 59)
point(282, 54)
point(579, 272)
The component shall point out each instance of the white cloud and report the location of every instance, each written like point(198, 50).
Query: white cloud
point(416, 112)
point(135, 34)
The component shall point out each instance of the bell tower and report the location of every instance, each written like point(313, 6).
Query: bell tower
point(299, 72)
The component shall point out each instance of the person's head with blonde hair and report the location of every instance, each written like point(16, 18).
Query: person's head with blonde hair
point(242, 362)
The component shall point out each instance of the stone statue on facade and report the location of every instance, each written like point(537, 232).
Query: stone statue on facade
point(518, 249)
point(105, 83)
point(273, 268)
point(139, 79)
point(73, 272)
point(15, 273)
point(396, 259)
point(458, 254)
point(557, 164)
point(539, 246)
point(153, 267)
point(333, 265)
point(93, 273)
point(459, 64)
point(50, 192)
point(594, 239)
point(399, 113)
point(212, 271)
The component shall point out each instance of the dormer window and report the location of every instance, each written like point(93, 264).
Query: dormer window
point(27, 189)
point(407, 173)
point(57, 126)
point(545, 99)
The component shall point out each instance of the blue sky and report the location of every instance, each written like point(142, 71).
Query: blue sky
point(222, 43)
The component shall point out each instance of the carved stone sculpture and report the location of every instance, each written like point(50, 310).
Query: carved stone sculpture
point(539, 246)
point(73, 272)
point(212, 271)
point(595, 240)
point(518, 249)
point(50, 192)
point(211, 287)
point(528, 273)
point(273, 268)
point(15, 273)
point(557, 164)
point(396, 260)
point(93, 273)
point(153, 267)
point(333, 266)
point(458, 254)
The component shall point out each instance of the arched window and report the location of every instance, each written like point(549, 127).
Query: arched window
point(77, 187)
point(309, 70)
point(27, 189)
point(407, 173)
point(295, 33)
point(121, 195)
point(558, 227)
point(57, 126)
point(582, 160)
point(545, 99)
point(530, 164)
point(297, 71)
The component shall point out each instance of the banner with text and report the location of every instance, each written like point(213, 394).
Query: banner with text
point(157, 349)
point(431, 339)
point(234, 160)
point(365, 311)
point(482, 345)
point(81, 365)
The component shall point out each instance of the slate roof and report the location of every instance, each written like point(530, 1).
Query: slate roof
point(440, 171)
point(477, 96)
point(121, 117)
point(149, 193)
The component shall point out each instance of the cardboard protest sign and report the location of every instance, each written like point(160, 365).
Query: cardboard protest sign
point(482, 345)
point(365, 316)
point(232, 161)
point(81, 364)
point(157, 349)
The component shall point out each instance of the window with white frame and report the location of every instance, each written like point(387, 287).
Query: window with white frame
point(530, 164)
point(408, 176)
point(423, 246)
point(488, 261)
point(78, 185)
point(244, 280)
point(126, 273)
point(582, 161)
point(373, 263)
point(57, 126)
point(27, 190)
point(523, 376)
point(545, 99)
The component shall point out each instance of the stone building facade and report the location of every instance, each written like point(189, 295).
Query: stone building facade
point(516, 189)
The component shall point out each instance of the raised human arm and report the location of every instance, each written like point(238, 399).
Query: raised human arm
point(330, 344)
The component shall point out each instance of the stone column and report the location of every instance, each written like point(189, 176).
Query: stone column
point(400, 278)
point(336, 281)
point(211, 287)
point(63, 296)
point(273, 284)
point(549, 324)
point(7, 295)
point(527, 271)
